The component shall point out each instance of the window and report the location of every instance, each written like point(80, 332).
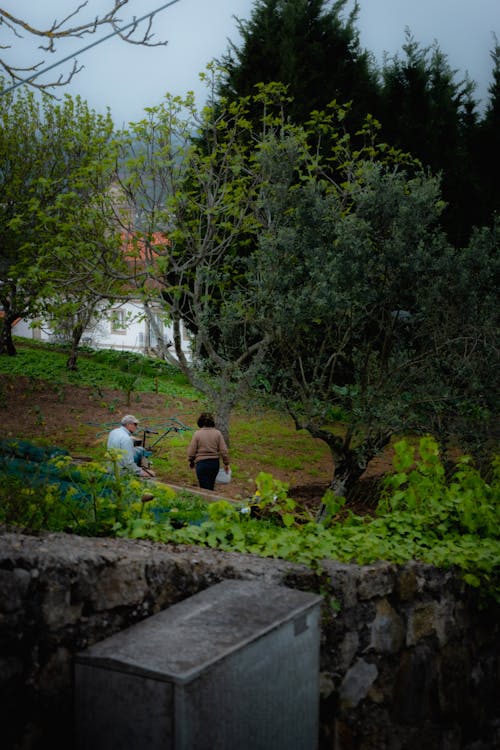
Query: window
point(118, 321)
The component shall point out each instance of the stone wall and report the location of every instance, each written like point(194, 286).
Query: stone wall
point(409, 654)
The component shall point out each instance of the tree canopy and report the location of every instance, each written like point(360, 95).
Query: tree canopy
point(55, 232)
point(311, 46)
point(423, 105)
point(340, 304)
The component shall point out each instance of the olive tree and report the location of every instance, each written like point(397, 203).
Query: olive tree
point(362, 294)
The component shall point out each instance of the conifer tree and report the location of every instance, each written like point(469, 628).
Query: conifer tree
point(424, 112)
point(313, 49)
point(488, 150)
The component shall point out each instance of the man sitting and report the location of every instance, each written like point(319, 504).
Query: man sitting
point(121, 440)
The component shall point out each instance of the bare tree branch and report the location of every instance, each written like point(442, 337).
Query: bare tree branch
point(139, 31)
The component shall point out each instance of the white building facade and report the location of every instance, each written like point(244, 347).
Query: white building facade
point(124, 327)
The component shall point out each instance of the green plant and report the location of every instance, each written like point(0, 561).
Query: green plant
point(98, 370)
point(58, 496)
point(421, 517)
point(39, 415)
point(466, 503)
point(331, 506)
point(32, 508)
point(127, 382)
point(271, 501)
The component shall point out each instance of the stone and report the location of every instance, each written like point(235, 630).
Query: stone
point(357, 683)
point(408, 583)
point(422, 622)
point(376, 580)
point(57, 608)
point(387, 630)
point(415, 688)
point(13, 587)
point(123, 583)
point(348, 649)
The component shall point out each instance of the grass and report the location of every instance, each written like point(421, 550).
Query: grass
point(265, 444)
point(263, 440)
point(103, 369)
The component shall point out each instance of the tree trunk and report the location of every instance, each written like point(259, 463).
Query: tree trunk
point(349, 463)
point(349, 467)
point(223, 415)
point(76, 335)
point(6, 342)
point(162, 348)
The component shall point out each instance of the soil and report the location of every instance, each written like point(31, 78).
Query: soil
point(78, 419)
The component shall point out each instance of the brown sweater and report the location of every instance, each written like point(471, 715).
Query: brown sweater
point(208, 443)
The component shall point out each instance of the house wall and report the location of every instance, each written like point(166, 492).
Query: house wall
point(122, 328)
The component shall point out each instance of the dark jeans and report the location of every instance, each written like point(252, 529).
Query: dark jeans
point(206, 471)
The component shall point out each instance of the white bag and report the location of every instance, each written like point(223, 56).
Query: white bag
point(223, 477)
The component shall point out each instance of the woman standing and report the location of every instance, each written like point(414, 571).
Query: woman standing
point(205, 449)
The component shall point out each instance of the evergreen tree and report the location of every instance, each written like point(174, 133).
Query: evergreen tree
point(488, 146)
point(425, 111)
point(312, 49)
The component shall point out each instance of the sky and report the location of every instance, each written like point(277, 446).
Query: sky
point(128, 78)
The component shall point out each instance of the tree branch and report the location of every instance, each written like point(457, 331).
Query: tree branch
point(63, 30)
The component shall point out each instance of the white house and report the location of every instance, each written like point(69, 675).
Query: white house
point(124, 327)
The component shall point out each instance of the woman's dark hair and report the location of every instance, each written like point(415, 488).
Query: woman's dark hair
point(206, 420)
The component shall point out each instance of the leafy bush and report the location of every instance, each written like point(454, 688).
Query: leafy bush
point(419, 490)
point(56, 495)
point(421, 517)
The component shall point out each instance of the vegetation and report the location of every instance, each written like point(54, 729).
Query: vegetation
point(310, 47)
point(421, 516)
point(423, 105)
point(88, 500)
point(192, 186)
point(319, 270)
point(426, 512)
point(102, 369)
point(356, 281)
point(54, 215)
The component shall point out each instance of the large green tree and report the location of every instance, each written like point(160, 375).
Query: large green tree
point(84, 261)
point(425, 107)
point(311, 46)
point(487, 151)
point(192, 179)
point(341, 301)
point(375, 328)
point(55, 163)
point(428, 111)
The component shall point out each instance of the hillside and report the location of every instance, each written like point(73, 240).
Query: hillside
point(77, 417)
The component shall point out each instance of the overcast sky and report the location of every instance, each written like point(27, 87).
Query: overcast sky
point(129, 78)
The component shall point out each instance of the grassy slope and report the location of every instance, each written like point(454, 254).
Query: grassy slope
point(264, 440)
